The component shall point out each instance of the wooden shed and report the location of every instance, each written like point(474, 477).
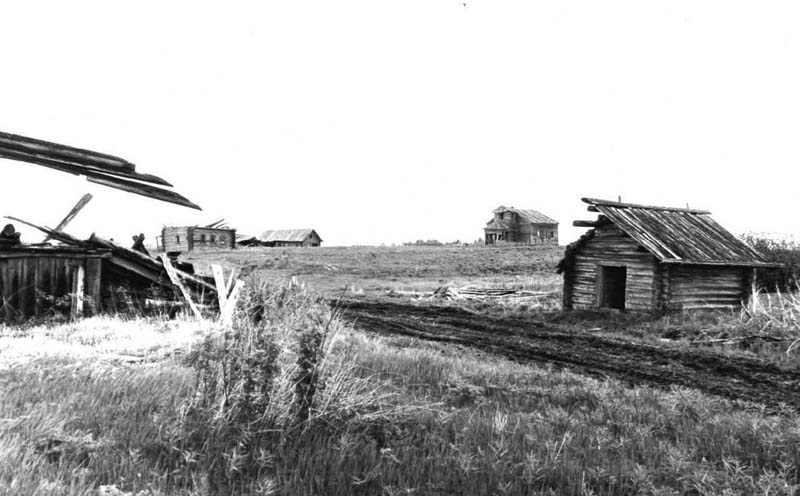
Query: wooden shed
point(641, 257)
point(290, 237)
point(189, 238)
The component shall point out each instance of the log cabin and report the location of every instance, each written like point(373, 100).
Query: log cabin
point(648, 258)
point(189, 238)
point(520, 227)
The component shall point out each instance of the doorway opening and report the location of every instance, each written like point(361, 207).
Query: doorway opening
point(611, 287)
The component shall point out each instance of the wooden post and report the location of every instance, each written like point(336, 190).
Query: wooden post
point(76, 298)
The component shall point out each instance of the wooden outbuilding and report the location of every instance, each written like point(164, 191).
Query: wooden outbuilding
point(290, 237)
point(520, 226)
point(189, 238)
point(642, 257)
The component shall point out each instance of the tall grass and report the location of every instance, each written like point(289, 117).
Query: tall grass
point(387, 416)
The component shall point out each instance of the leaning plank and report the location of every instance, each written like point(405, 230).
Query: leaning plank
point(76, 168)
point(219, 279)
point(60, 236)
point(143, 190)
point(226, 313)
point(72, 213)
point(177, 282)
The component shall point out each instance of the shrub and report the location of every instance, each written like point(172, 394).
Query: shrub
point(243, 408)
point(785, 252)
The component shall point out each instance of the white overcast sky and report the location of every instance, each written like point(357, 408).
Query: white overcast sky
point(382, 122)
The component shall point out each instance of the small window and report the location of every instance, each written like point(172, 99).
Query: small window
point(202, 238)
point(213, 238)
point(178, 239)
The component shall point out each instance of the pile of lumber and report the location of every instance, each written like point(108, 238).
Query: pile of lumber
point(473, 293)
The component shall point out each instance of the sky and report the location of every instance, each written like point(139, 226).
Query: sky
point(379, 122)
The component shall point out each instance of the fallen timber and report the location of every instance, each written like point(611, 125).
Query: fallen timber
point(473, 293)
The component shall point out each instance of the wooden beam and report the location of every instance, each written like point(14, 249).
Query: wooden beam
point(60, 236)
point(76, 297)
point(606, 203)
point(177, 282)
point(31, 145)
point(77, 168)
point(72, 213)
point(142, 189)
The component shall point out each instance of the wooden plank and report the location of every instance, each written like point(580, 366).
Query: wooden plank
point(32, 145)
point(219, 279)
point(173, 276)
point(37, 287)
point(226, 312)
point(60, 236)
point(142, 189)
point(94, 277)
point(72, 213)
point(76, 168)
point(77, 293)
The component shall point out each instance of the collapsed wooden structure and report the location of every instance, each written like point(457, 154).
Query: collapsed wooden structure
point(85, 277)
point(642, 257)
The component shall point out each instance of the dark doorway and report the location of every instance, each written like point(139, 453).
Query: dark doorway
point(612, 287)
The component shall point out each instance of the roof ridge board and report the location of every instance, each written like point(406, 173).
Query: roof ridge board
point(613, 204)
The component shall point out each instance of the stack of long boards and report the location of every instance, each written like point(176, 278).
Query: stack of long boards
point(98, 168)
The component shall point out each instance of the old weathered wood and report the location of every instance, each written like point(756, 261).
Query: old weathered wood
point(72, 213)
point(77, 293)
point(173, 276)
point(142, 189)
point(60, 236)
point(219, 279)
point(226, 313)
point(32, 145)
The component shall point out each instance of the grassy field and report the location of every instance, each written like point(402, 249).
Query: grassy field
point(294, 400)
point(379, 270)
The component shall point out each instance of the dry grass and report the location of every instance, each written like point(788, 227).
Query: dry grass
point(392, 416)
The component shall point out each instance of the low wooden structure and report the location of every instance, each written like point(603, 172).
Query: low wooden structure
point(36, 280)
point(642, 257)
point(84, 277)
point(190, 238)
point(290, 237)
point(521, 227)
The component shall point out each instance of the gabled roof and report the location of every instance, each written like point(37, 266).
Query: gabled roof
point(678, 235)
point(529, 215)
point(291, 235)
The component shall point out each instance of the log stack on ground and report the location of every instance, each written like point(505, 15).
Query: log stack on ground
point(474, 293)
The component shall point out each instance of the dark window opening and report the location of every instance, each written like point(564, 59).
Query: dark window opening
point(177, 239)
point(611, 287)
point(202, 238)
point(213, 238)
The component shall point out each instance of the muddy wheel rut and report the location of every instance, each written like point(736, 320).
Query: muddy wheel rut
point(703, 369)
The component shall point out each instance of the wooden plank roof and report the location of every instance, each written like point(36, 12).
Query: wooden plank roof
point(679, 235)
point(289, 235)
point(527, 214)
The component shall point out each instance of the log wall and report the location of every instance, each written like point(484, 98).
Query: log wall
point(175, 239)
point(698, 286)
point(610, 246)
point(201, 238)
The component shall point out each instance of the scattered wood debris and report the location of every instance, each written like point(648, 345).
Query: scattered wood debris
point(474, 293)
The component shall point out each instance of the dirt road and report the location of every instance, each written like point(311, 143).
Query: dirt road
point(703, 369)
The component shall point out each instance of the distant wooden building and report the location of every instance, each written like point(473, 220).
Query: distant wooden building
point(188, 238)
point(518, 226)
point(640, 257)
point(290, 237)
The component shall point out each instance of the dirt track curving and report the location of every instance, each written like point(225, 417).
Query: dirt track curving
point(706, 370)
